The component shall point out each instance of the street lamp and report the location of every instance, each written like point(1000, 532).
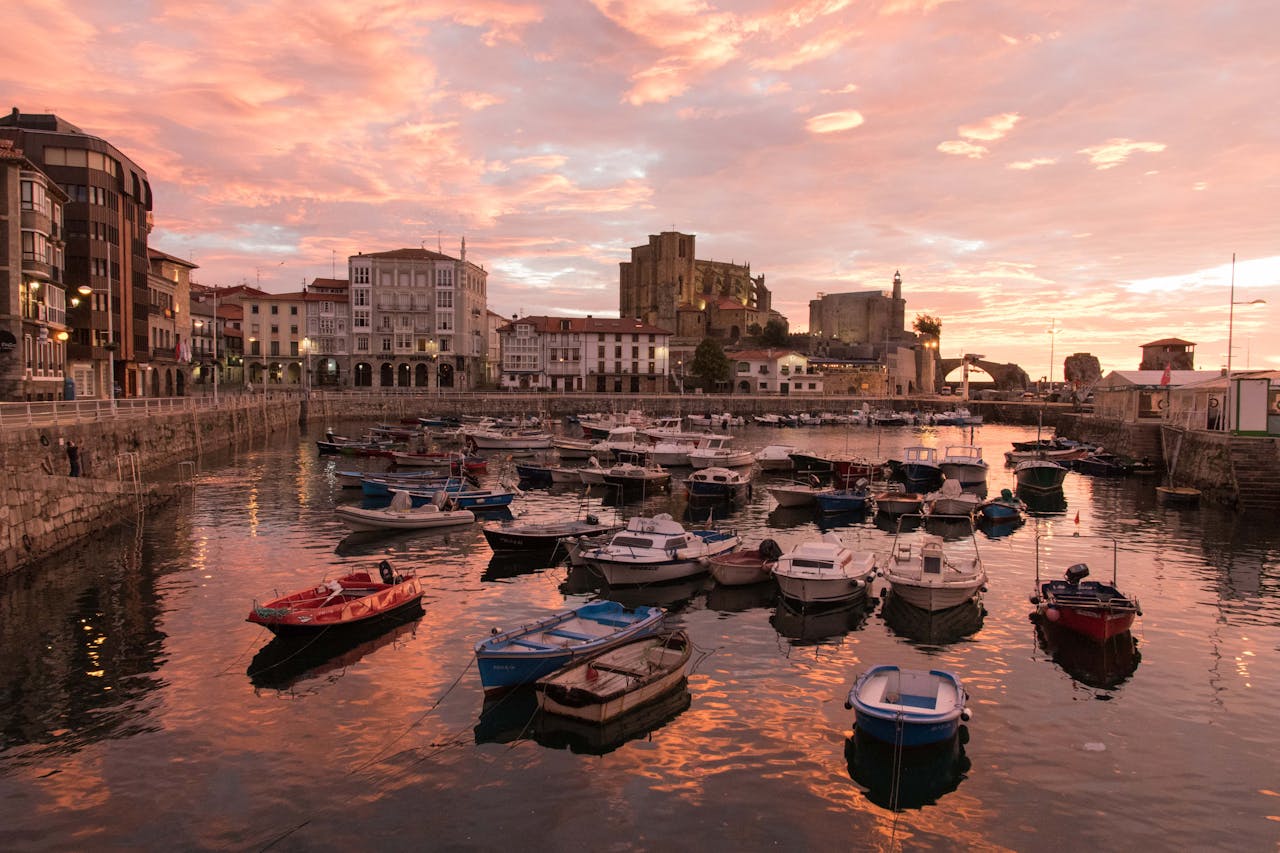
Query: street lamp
point(1053, 333)
point(306, 379)
point(680, 374)
point(433, 352)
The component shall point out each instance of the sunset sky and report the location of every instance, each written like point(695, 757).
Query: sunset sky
point(1084, 166)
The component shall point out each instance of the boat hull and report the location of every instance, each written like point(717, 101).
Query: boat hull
point(1040, 477)
point(616, 682)
point(740, 568)
point(911, 708)
point(821, 590)
point(514, 657)
point(966, 473)
point(362, 602)
point(367, 520)
point(933, 598)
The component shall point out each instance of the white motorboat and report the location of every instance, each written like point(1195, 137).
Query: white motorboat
point(796, 494)
point(923, 574)
point(824, 571)
point(672, 452)
point(719, 483)
point(775, 457)
point(714, 452)
point(652, 550)
point(964, 463)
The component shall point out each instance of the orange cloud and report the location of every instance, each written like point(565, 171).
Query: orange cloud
point(1116, 152)
point(835, 122)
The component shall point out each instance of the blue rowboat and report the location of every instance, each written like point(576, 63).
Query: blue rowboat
point(469, 499)
point(907, 706)
point(382, 487)
point(1007, 507)
point(523, 655)
point(841, 500)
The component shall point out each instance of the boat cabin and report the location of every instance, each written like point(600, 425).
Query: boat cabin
point(931, 558)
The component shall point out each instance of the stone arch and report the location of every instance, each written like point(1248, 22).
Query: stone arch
point(421, 375)
point(362, 375)
point(386, 375)
point(403, 375)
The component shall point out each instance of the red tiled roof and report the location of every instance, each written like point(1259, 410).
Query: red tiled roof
point(1169, 342)
point(762, 354)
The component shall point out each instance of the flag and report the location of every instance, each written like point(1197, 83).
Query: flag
point(1168, 371)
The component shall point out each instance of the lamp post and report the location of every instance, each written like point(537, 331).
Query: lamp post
point(1053, 333)
point(1231, 312)
point(306, 378)
point(680, 374)
point(433, 352)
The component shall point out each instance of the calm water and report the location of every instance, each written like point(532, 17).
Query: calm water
point(130, 719)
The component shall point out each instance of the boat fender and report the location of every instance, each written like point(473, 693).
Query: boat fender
point(965, 715)
point(1035, 599)
point(1051, 613)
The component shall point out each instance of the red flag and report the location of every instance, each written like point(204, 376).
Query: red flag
point(1168, 370)
point(1077, 516)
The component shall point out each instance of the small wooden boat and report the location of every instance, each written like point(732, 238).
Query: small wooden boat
point(908, 707)
point(616, 681)
point(573, 448)
point(403, 515)
point(746, 566)
point(854, 499)
point(824, 571)
point(898, 501)
point(544, 537)
point(533, 474)
point(635, 480)
point(484, 439)
point(1177, 495)
point(354, 599)
point(1007, 507)
point(952, 500)
point(524, 654)
point(1095, 609)
point(797, 494)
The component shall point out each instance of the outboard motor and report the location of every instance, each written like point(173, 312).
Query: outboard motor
point(770, 550)
point(1077, 573)
point(387, 573)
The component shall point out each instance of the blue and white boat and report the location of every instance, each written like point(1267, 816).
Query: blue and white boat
point(524, 654)
point(920, 464)
point(908, 707)
point(1006, 507)
point(657, 549)
point(843, 500)
point(466, 499)
point(718, 483)
point(381, 485)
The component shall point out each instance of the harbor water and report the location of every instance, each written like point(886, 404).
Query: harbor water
point(140, 711)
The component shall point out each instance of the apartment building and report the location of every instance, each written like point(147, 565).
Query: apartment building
point(603, 354)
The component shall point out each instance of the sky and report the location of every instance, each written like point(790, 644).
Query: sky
point(1049, 178)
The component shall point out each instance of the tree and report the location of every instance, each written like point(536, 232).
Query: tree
point(710, 365)
point(754, 330)
point(774, 334)
point(927, 325)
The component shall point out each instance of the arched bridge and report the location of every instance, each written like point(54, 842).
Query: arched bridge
point(1007, 376)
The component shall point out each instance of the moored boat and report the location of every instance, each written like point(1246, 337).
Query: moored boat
point(907, 707)
point(824, 571)
point(545, 536)
point(746, 566)
point(1039, 475)
point(358, 598)
point(964, 464)
point(1095, 609)
point(617, 681)
point(952, 500)
point(403, 515)
point(929, 577)
point(718, 483)
point(524, 654)
point(657, 549)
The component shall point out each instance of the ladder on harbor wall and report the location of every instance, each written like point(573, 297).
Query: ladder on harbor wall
point(128, 471)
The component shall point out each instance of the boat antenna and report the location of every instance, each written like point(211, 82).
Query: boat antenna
point(1037, 553)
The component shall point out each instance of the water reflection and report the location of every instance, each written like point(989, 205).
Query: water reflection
point(285, 661)
point(818, 625)
point(999, 529)
point(736, 599)
point(909, 778)
point(932, 628)
point(673, 595)
point(1043, 503)
point(515, 716)
point(82, 646)
point(1104, 666)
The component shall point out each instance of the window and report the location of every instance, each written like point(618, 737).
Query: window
point(444, 299)
point(293, 330)
point(360, 319)
point(385, 343)
point(360, 297)
point(275, 347)
point(360, 275)
point(362, 343)
point(444, 277)
point(253, 309)
point(275, 330)
point(275, 309)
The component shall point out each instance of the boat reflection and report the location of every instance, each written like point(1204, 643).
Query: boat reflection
point(735, 599)
point(836, 520)
point(932, 628)
point(515, 716)
point(505, 566)
point(580, 580)
point(816, 625)
point(783, 517)
point(1043, 503)
point(910, 778)
point(673, 596)
point(1103, 666)
point(892, 523)
point(950, 527)
point(999, 529)
point(285, 661)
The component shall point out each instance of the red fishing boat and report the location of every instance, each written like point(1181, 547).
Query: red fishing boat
point(355, 599)
point(1095, 609)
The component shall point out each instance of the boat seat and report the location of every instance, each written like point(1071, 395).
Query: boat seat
point(572, 635)
point(612, 623)
point(530, 644)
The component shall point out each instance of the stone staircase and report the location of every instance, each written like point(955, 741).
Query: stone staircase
point(1255, 464)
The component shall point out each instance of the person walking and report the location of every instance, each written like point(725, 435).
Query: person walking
point(73, 457)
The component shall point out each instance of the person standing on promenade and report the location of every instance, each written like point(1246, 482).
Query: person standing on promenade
point(73, 457)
